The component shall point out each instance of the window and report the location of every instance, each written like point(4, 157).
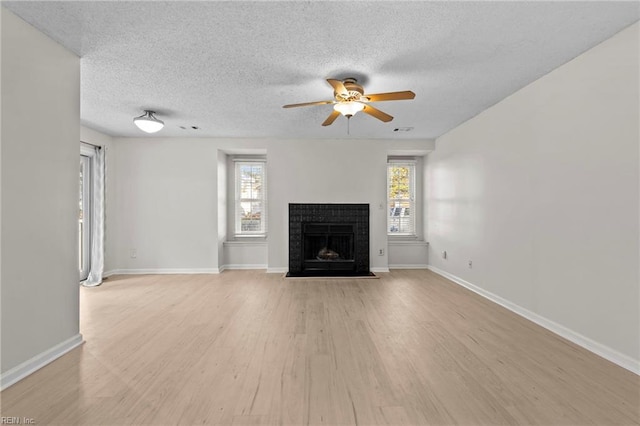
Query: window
point(401, 219)
point(251, 198)
point(84, 218)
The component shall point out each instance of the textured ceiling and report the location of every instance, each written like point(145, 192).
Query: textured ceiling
point(228, 67)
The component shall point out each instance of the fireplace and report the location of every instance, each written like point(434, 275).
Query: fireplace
point(328, 240)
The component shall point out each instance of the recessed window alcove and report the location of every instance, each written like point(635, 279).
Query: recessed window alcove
point(328, 240)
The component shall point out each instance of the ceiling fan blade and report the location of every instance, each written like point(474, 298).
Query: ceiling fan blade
point(374, 112)
point(308, 104)
point(338, 87)
point(331, 118)
point(391, 96)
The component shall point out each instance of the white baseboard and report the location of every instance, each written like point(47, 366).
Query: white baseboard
point(379, 269)
point(21, 371)
point(409, 266)
point(604, 351)
point(176, 271)
point(242, 266)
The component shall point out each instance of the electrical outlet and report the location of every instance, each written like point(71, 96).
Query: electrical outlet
point(134, 253)
point(444, 254)
point(470, 264)
point(381, 252)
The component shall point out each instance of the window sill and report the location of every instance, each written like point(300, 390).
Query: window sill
point(246, 241)
point(402, 237)
point(397, 240)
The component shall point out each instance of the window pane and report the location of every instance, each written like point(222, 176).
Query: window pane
point(400, 220)
point(251, 216)
point(251, 181)
point(399, 181)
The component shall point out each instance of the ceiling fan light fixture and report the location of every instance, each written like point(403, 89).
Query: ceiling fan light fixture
point(349, 108)
point(148, 123)
point(349, 98)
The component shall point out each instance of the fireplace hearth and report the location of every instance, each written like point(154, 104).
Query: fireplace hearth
point(328, 240)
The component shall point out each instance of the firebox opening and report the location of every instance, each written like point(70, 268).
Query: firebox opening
point(328, 246)
point(328, 242)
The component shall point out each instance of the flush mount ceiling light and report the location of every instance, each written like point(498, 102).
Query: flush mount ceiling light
point(148, 123)
point(349, 108)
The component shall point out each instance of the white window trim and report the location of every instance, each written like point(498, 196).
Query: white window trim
point(238, 233)
point(413, 202)
point(89, 152)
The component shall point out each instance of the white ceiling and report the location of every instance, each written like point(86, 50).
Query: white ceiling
point(228, 67)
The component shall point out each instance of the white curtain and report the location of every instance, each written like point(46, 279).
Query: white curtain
point(97, 221)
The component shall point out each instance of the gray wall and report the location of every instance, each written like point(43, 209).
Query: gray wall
point(39, 181)
point(169, 200)
point(541, 192)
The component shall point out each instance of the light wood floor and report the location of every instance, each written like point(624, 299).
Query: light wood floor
point(245, 347)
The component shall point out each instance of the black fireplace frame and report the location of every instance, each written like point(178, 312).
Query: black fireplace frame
point(355, 215)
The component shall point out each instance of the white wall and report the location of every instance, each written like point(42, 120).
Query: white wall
point(166, 205)
point(168, 196)
point(541, 191)
point(408, 254)
point(327, 171)
point(40, 166)
point(250, 254)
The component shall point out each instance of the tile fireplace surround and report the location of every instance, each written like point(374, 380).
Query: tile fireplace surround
point(328, 240)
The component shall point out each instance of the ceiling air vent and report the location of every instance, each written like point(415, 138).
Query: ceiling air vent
point(403, 129)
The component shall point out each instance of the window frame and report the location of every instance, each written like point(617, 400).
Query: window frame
point(412, 201)
point(238, 200)
point(85, 235)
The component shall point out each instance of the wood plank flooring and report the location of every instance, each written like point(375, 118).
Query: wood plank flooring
point(249, 348)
